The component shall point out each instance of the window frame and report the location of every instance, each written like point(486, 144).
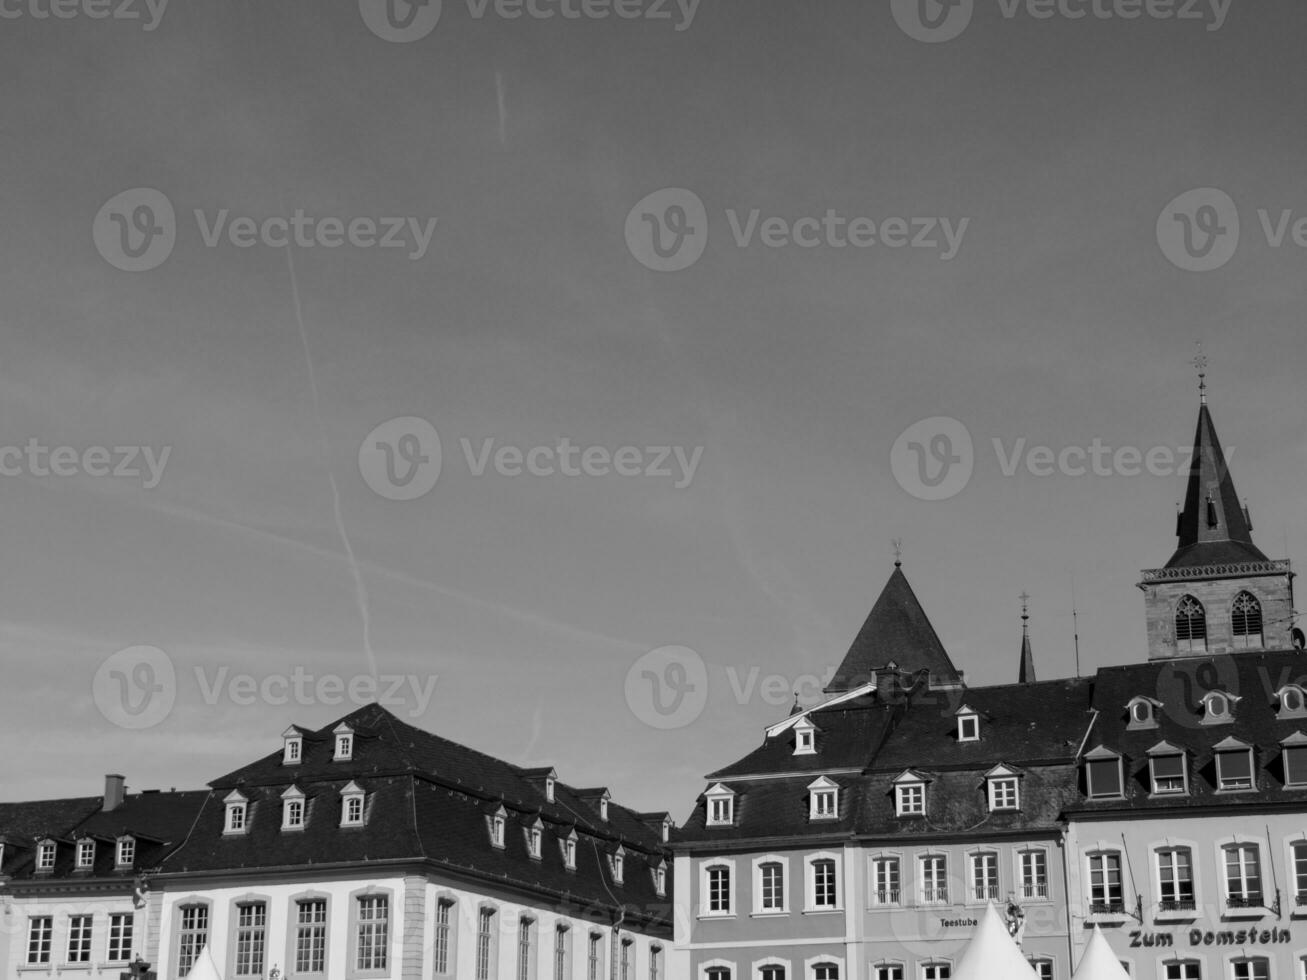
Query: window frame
point(294, 927)
point(710, 895)
point(1106, 905)
point(874, 891)
point(120, 937)
point(760, 887)
point(990, 860)
point(1021, 877)
point(40, 940)
point(812, 889)
point(354, 938)
point(939, 894)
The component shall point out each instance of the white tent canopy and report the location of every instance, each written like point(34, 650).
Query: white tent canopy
point(991, 953)
point(1099, 962)
point(204, 968)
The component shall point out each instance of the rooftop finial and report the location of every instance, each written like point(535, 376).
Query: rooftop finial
point(1025, 611)
point(1200, 362)
point(898, 551)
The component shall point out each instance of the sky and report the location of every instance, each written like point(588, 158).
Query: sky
point(789, 400)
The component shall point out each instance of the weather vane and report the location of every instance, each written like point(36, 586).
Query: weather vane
point(1025, 608)
point(1200, 362)
point(898, 551)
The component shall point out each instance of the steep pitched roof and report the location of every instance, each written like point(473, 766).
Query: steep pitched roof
point(896, 630)
point(1212, 528)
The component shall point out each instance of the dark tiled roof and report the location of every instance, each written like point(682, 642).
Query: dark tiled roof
point(22, 824)
point(897, 631)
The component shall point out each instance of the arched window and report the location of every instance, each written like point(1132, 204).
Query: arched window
point(1190, 626)
point(825, 971)
point(1246, 619)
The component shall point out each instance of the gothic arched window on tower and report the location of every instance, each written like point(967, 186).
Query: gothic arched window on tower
point(1190, 626)
point(1246, 619)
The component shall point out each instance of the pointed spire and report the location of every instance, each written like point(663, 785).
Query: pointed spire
point(1213, 527)
point(896, 631)
point(1026, 675)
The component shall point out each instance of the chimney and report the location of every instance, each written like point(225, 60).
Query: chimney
point(113, 792)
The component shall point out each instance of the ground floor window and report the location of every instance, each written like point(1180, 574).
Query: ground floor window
point(1184, 970)
point(936, 971)
point(1253, 968)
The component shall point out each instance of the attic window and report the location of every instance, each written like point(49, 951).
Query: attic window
point(1166, 765)
point(910, 796)
point(721, 806)
point(497, 828)
point(617, 864)
point(85, 853)
point(344, 746)
point(1234, 766)
point(534, 836)
point(823, 800)
point(568, 846)
point(1142, 713)
point(805, 738)
point(969, 727)
point(660, 881)
point(549, 789)
point(45, 856)
point(603, 808)
point(352, 798)
point(1216, 708)
point(1103, 777)
point(292, 809)
point(667, 829)
point(1004, 790)
point(1294, 759)
point(1293, 701)
point(126, 853)
point(236, 819)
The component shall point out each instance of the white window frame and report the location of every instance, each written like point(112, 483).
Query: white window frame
point(1224, 750)
point(47, 854)
point(294, 810)
point(758, 907)
point(292, 749)
point(85, 854)
point(1134, 724)
point(497, 824)
point(879, 968)
point(997, 786)
point(534, 835)
point(1109, 906)
point(974, 859)
point(874, 891)
point(1284, 711)
point(236, 815)
point(1019, 869)
point(823, 799)
point(124, 852)
point(567, 846)
point(1172, 846)
point(617, 865)
point(1102, 754)
point(1165, 750)
point(805, 737)
point(1241, 842)
point(968, 725)
point(909, 791)
point(810, 881)
point(351, 793)
point(934, 896)
point(343, 743)
point(1210, 700)
point(706, 911)
point(720, 806)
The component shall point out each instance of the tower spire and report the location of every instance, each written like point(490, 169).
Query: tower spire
point(1026, 673)
point(1200, 362)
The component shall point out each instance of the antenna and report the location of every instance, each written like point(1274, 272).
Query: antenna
point(1075, 623)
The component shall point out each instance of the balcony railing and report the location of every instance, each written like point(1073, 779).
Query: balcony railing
point(887, 897)
point(1177, 905)
point(1107, 908)
point(985, 893)
point(934, 896)
point(1244, 902)
point(1034, 891)
point(1300, 899)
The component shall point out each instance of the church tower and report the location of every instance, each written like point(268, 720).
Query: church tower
point(1219, 593)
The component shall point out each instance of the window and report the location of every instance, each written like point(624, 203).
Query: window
point(1103, 775)
point(595, 956)
point(1034, 874)
point(1168, 774)
point(1293, 702)
point(984, 877)
point(344, 747)
point(251, 937)
point(936, 971)
point(660, 880)
point(549, 789)
point(45, 856)
point(887, 971)
point(885, 881)
point(1004, 793)
point(352, 813)
point(772, 972)
point(805, 738)
point(1043, 968)
point(1300, 873)
point(524, 925)
point(237, 814)
point(1252, 968)
point(292, 816)
point(440, 949)
point(721, 806)
point(192, 937)
point(85, 853)
point(771, 879)
point(719, 890)
point(1142, 714)
point(485, 933)
point(1190, 626)
point(292, 748)
point(568, 845)
point(624, 972)
point(534, 841)
point(1175, 878)
point(1216, 708)
point(825, 892)
point(40, 932)
point(497, 828)
point(910, 799)
point(603, 808)
point(825, 971)
point(120, 937)
point(1234, 766)
point(1243, 876)
point(1105, 891)
point(617, 864)
point(373, 933)
point(718, 973)
point(311, 936)
point(561, 936)
point(824, 804)
point(126, 854)
point(969, 728)
point(79, 939)
point(1246, 621)
point(934, 879)
point(1294, 758)
point(1184, 970)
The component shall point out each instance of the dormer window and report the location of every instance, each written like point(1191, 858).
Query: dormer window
point(1293, 757)
point(292, 752)
point(603, 808)
point(1004, 789)
point(292, 809)
point(1234, 765)
point(1246, 621)
point(805, 738)
point(534, 836)
point(660, 879)
point(1293, 701)
point(721, 806)
point(352, 798)
point(617, 864)
point(968, 724)
point(1142, 713)
point(568, 847)
point(497, 823)
point(125, 854)
point(910, 795)
point(236, 819)
point(344, 744)
point(667, 829)
point(1103, 776)
point(45, 852)
point(1217, 707)
point(549, 788)
point(1168, 771)
point(1190, 626)
point(85, 854)
point(823, 799)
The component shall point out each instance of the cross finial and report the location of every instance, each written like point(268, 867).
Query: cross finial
point(1200, 362)
point(898, 551)
point(1025, 609)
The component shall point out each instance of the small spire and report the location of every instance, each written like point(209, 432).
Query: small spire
point(1200, 362)
point(1026, 674)
point(898, 551)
